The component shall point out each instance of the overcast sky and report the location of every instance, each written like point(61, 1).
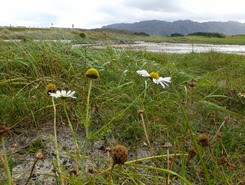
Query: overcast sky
point(96, 13)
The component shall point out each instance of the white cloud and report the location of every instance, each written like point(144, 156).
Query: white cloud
point(94, 13)
point(155, 5)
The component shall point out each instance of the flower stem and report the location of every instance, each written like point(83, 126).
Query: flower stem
point(56, 142)
point(87, 118)
point(87, 121)
point(145, 89)
point(145, 131)
point(32, 169)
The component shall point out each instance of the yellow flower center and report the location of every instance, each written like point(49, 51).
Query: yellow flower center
point(154, 75)
point(92, 73)
point(51, 88)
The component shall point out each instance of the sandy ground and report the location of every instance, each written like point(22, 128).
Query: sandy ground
point(18, 147)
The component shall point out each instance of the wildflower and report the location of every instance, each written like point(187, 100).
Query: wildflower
point(3, 130)
point(119, 154)
point(242, 95)
point(155, 77)
point(51, 88)
point(92, 73)
point(63, 94)
point(203, 140)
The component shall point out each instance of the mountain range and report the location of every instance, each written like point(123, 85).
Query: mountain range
point(184, 27)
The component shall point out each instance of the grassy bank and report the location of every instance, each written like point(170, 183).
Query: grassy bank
point(201, 99)
point(90, 36)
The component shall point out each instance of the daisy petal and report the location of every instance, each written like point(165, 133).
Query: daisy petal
point(72, 95)
point(143, 73)
point(63, 94)
point(155, 81)
point(58, 93)
point(162, 84)
point(52, 94)
point(165, 79)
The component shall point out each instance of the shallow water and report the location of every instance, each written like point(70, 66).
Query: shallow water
point(159, 47)
point(175, 47)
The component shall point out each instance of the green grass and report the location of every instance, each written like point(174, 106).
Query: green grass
point(236, 39)
point(107, 35)
point(27, 67)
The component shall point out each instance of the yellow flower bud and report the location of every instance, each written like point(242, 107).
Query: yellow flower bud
point(203, 140)
point(51, 88)
point(92, 73)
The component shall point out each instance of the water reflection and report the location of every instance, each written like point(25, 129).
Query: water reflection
point(157, 47)
point(177, 48)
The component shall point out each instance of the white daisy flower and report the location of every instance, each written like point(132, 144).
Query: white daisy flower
point(155, 77)
point(63, 94)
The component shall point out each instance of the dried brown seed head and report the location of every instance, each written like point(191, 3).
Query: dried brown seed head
point(119, 154)
point(192, 83)
point(3, 130)
point(203, 140)
point(140, 111)
point(166, 144)
point(39, 155)
point(192, 153)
